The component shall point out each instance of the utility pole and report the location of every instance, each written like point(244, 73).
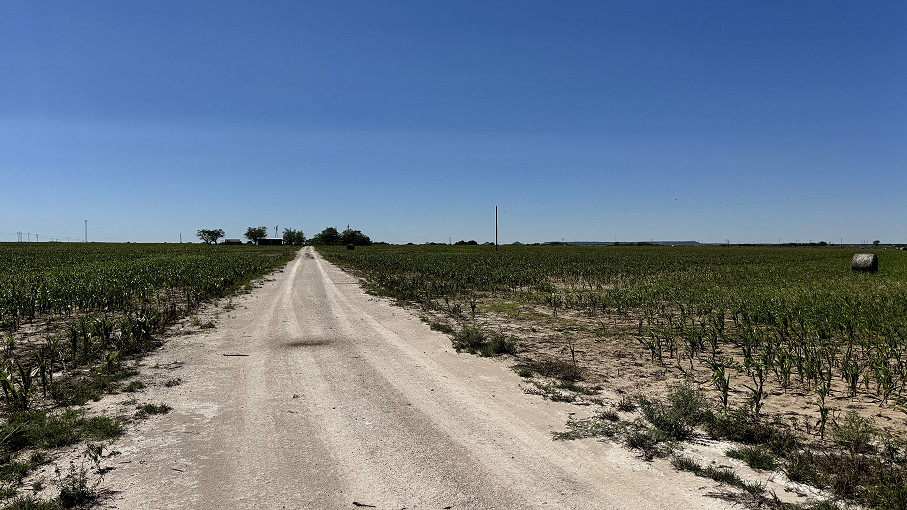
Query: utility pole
point(86, 231)
point(181, 238)
point(29, 236)
point(495, 228)
point(19, 236)
point(275, 230)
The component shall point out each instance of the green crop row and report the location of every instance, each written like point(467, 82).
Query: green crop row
point(65, 279)
point(798, 315)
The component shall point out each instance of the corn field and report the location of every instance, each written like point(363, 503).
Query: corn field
point(94, 304)
point(797, 316)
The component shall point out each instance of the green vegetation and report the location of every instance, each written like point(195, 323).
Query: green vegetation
point(798, 316)
point(721, 475)
point(72, 316)
point(331, 237)
point(144, 410)
point(749, 324)
point(291, 236)
point(255, 233)
point(475, 341)
point(754, 457)
point(137, 288)
point(210, 235)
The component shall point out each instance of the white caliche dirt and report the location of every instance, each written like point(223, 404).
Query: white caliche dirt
point(312, 394)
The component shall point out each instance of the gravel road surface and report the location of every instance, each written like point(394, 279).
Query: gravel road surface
point(312, 394)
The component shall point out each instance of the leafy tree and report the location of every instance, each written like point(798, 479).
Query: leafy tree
point(354, 237)
point(210, 235)
point(876, 242)
point(255, 233)
point(329, 235)
point(291, 236)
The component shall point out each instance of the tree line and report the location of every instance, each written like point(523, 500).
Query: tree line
point(329, 236)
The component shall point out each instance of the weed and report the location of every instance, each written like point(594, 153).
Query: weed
point(608, 415)
point(578, 388)
point(800, 467)
point(721, 475)
point(443, 328)
point(549, 391)
point(523, 372)
point(169, 383)
point(684, 410)
point(590, 427)
point(556, 369)
point(134, 386)
point(652, 443)
point(475, 341)
point(854, 433)
point(76, 490)
point(79, 389)
point(145, 410)
point(754, 457)
point(40, 429)
point(626, 404)
point(32, 503)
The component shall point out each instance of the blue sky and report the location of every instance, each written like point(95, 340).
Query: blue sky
point(410, 121)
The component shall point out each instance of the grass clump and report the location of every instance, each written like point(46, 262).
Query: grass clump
point(685, 408)
point(549, 391)
point(134, 386)
point(476, 341)
point(604, 424)
point(40, 429)
point(754, 457)
point(91, 385)
point(553, 368)
point(31, 502)
point(854, 433)
point(443, 328)
point(145, 410)
point(722, 475)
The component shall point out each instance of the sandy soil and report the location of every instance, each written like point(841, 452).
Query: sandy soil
point(310, 393)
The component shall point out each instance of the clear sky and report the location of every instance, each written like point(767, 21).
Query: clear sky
point(410, 120)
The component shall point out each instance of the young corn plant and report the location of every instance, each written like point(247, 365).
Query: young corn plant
point(721, 380)
point(756, 391)
point(18, 393)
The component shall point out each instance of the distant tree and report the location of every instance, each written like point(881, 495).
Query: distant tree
point(329, 236)
point(354, 237)
point(291, 236)
point(876, 242)
point(210, 235)
point(255, 233)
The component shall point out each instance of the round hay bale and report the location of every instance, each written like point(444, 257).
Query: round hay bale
point(865, 262)
point(351, 247)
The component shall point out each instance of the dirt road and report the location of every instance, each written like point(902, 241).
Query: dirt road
point(312, 394)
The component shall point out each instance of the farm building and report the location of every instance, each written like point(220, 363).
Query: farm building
point(269, 241)
point(232, 241)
